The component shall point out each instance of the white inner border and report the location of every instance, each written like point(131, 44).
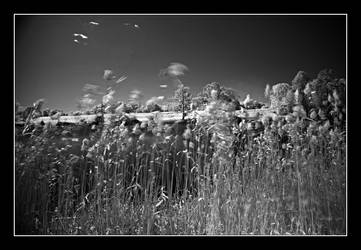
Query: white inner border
point(182, 14)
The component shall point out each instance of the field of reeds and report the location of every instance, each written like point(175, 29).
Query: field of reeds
point(213, 176)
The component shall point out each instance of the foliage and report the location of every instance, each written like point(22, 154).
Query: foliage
point(300, 80)
point(221, 93)
point(320, 93)
point(184, 97)
point(127, 108)
point(152, 107)
point(238, 183)
point(282, 98)
point(217, 175)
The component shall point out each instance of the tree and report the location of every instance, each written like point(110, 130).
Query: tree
point(300, 80)
point(215, 91)
point(229, 96)
point(318, 89)
point(152, 107)
point(122, 108)
point(326, 75)
point(282, 97)
point(184, 97)
point(132, 107)
point(96, 109)
point(318, 92)
point(207, 91)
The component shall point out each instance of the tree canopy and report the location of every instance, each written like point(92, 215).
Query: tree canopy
point(220, 93)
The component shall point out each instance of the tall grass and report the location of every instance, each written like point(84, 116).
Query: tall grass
point(216, 180)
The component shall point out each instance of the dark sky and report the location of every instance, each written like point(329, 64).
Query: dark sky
point(241, 51)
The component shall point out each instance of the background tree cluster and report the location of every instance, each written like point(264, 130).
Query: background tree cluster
point(323, 97)
point(220, 93)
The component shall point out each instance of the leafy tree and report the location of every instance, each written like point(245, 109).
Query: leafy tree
point(184, 97)
point(317, 91)
point(133, 107)
point(127, 108)
point(300, 80)
point(121, 108)
point(326, 75)
point(206, 93)
point(282, 97)
point(326, 95)
point(214, 90)
point(152, 107)
point(153, 104)
point(229, 96)
point(97, 109)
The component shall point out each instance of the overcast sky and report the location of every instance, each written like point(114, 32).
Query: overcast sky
point(241, 52)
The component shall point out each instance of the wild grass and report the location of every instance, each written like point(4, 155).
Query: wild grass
point(215, 179)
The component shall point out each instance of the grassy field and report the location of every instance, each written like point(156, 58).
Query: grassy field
point(212, 177)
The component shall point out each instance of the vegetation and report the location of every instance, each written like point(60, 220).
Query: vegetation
point(216, 175)
point(184, 97)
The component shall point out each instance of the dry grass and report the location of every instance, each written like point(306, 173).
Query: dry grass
point(171, 185)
